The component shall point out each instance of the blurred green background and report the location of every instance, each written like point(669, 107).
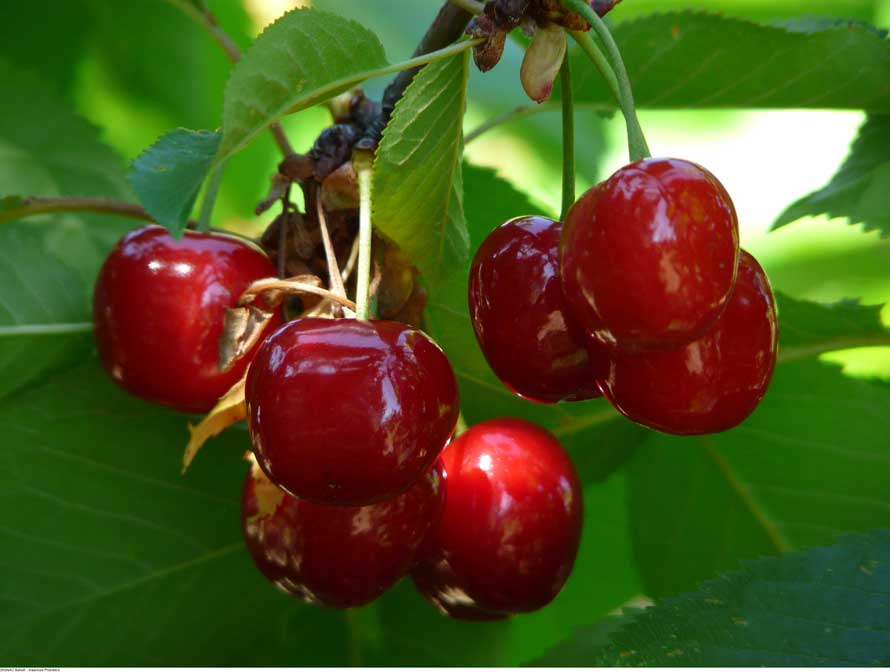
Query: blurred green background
point(139, 73)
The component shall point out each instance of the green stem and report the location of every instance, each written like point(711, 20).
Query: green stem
point(636, 140)
point(596, 56)
point(362, 162)
point(46, 329)
point(568, 139)
point(210, 194)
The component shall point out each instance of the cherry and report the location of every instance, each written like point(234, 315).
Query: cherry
point(510, 527)
point(649, 257)
point(336, 556)
point(347, 411)
point(520, 317)
point(713, 383)
point(158, 310)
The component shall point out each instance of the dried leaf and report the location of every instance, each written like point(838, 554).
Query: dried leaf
point(242, 328)
point(339, 191)
point(268, 495)
point(230, 409)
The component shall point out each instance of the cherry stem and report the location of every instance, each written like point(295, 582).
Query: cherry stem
point(363, 162)
point(568, 139)
point(335, 278)
point(206, 20)
point(636, 140)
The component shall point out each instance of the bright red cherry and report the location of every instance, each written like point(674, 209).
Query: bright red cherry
point(158, 310)
point(649, 257)
point(520, 317)
point(336, 556)
point(713, 383)
point(348, 411)
point(510, 528)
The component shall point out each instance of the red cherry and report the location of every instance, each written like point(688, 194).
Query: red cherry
point(649, 257)
point(510, 528)
point(713, 383)
point(349, 412)
point(520, 317)
point(158, 310)
point(336, 556)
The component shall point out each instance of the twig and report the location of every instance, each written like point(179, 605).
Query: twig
point(208, 22)
point(449, 25)
point(38, 205)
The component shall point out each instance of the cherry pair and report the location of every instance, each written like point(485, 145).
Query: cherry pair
point(491, 530)
point(643, 295)
point(340, 411)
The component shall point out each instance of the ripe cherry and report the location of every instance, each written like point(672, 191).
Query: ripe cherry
point(649, 257)
point(520, 317)
point(158, 309)
point(713, 383)
point(510, 527)
point(347, 411)
point(336, 556)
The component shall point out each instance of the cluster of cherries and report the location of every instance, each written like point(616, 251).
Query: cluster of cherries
point(642, 296)
point(354, 483)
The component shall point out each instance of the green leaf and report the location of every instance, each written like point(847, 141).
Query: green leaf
point(120, 560)
point(860, 191)
point(47, 263)
point(46, 150)
point(168, 175)
point(826, 607)
point(810, 328)
point(697, 60)
point(304, 58)
point(809, 464)
point(44, 324)
point(417, 172)
point(599, 439)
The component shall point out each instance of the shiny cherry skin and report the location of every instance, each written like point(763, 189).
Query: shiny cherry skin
point(520, 318)
point(509, 531)
point(713, 383)
point(336, 556)
point(347, 411)
point(158, 309)
point(649, 257)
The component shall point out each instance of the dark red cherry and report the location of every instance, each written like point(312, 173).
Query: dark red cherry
point(510, 528)
point(348, 411)
point(520, 317)
point(336, 556)
point(649, 257)
point(713, 383)
point(158, 310)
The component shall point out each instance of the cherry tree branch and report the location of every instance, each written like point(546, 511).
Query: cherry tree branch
point(205, 18)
